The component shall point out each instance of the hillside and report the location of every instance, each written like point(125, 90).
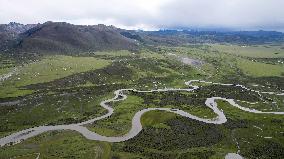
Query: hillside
point(10, 32)
point(64, 38)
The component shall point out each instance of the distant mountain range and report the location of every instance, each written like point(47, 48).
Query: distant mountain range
point(65, 38)
point(182, 37)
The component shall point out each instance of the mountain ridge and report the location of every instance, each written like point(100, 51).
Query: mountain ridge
point(65, 38)
point(61, 37)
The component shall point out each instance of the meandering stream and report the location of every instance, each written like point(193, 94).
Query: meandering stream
point(136, 124)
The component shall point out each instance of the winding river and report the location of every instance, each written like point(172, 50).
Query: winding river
point(136, 124)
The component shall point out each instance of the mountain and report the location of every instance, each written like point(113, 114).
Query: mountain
point(181, 37)
point(15, 28)
point(65, 38)
point(9, 33)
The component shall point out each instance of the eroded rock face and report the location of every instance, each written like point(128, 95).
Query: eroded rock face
point(187, 60)
point(10, 32)
point(190, 61)
point(233, 156)
point(16, 28)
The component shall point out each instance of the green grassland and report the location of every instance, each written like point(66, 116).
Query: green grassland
point(48, 69)
point(64, 89)
point(6, 65)
point(56, 145)
point(259, 51)
point(260, 69)
point(120, 122)
point(51, 68)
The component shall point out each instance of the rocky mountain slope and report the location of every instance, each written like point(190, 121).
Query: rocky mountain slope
point(10, 32)
point(65, 38)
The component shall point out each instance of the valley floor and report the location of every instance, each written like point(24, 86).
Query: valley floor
point(243, 111)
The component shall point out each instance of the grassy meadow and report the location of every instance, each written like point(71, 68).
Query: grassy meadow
point(48, 69)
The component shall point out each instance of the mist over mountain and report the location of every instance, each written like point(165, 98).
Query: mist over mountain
point(147, 14)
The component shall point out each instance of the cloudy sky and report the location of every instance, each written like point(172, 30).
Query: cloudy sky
point(150, 14)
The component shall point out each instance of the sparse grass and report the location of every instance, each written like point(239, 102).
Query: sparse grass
point(5, 70)
point(55, 67)
point(121, 53)
point(260, 51)
point(258, 69)
point(46, 70)
point(6, 65)
point(57, 145)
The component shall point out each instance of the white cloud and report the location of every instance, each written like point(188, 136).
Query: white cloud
point(240, 14)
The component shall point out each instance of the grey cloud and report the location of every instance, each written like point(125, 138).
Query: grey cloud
point(238, 14)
